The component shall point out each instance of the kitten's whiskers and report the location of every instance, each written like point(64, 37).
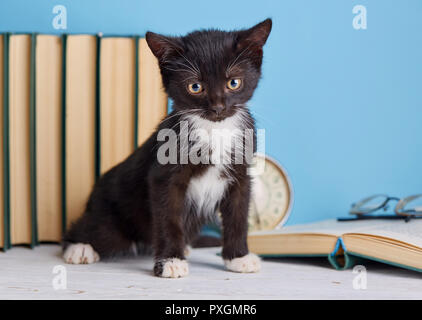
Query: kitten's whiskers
point(232, 64)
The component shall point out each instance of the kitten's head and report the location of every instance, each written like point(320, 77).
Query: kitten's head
point(211, 72)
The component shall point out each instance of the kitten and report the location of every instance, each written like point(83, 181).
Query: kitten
point(210, 75)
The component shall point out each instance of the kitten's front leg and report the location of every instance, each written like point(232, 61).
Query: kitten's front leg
point(234, 209)
point(168, 234)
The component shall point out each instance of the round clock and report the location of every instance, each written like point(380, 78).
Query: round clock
point(271, 196)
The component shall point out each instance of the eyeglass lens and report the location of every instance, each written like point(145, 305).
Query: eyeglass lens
point(370, 204)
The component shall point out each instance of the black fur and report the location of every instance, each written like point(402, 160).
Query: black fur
point(143, 201)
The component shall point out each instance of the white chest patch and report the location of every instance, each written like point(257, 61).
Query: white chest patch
point(207, 190)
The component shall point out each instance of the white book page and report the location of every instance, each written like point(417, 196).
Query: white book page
point(410, 232)
point(331, 227)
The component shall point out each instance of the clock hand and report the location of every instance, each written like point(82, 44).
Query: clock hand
point(257, 219)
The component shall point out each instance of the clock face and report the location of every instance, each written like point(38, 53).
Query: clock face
point(271, 196)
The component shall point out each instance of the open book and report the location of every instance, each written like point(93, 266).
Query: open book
point(394, 242)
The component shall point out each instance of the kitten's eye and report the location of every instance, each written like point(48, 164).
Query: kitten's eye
point(234, 84)
point(195, 88)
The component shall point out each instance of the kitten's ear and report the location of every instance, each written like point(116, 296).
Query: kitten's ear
point(162, 46)
point(256, 36)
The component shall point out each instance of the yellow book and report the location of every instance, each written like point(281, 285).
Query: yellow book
point(67, 123)
point(2, 233)
point(394, 242)
point(80, 122)
point(152, 97)
point(48, 136)
point(117, 100)
point(19, 138)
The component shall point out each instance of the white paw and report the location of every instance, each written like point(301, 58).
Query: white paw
point(80, 254)
point(246, 264)
point(174, 268)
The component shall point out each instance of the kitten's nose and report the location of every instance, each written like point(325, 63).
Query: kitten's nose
point(218, 108)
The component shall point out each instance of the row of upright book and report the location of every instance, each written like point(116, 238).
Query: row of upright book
point(71, 107)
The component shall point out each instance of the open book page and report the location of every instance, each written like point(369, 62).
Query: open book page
point(331, 227)
point(410, 232)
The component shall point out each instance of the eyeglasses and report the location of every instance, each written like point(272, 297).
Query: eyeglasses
point(406, 208)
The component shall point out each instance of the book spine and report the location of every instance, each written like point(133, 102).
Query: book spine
point(340, 259)
point(33, 145)
point(63, 140)
point(136, 89)
point(97, 112)
point(336, 258)
point(6, 146)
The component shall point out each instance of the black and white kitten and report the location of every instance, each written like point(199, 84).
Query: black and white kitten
point(210, 75)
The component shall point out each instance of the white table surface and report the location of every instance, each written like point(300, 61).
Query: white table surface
point(28, 274)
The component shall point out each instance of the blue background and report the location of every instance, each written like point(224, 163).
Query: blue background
point(342, 108)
